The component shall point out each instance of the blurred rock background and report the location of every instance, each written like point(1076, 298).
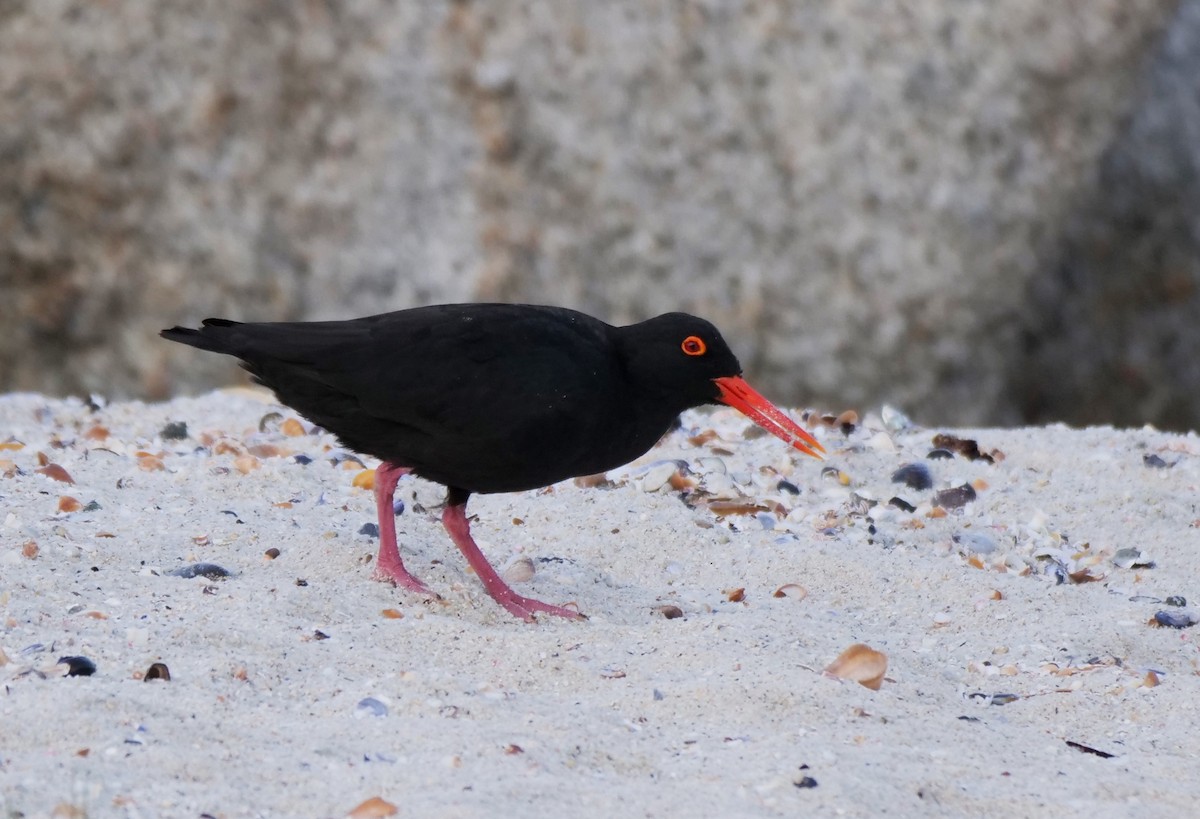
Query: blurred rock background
point(983, 212)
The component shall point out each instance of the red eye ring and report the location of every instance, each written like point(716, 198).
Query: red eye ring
point(694, 345)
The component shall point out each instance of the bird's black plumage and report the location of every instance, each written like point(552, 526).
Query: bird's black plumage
point(483, 397)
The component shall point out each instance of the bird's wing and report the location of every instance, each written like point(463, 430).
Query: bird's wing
point(447, 370)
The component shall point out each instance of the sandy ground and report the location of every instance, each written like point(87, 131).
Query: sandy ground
point(1025, 675)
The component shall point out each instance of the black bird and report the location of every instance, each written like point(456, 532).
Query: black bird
point(491, 398)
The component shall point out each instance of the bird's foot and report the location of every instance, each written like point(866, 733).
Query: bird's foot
point(527, 607)
point(399, 576)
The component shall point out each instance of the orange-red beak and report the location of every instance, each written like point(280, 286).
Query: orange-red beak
point(741, 396)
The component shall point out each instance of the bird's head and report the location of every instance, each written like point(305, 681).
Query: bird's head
point(685, 360)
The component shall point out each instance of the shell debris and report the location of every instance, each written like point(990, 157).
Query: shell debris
point(860, 663)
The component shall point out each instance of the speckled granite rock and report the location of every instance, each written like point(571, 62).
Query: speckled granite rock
point(859, 195)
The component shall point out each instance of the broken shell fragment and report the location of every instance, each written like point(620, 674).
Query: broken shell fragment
point(78, 666)
point(157, 671)
point(860, 663)
point(975, 542)
point(669, 612)
point(955, 497)
point(55, 472)
point(966, 447)
point(210, 570)
point(292, 428)
point(914, 476)
point(374, 808)
point(1174, 619)
point(893, 419)
point(792, 590)
point(1132, 558)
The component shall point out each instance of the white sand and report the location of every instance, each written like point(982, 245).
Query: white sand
point(712, 714)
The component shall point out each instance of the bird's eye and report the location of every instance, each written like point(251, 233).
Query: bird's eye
point(694, 345)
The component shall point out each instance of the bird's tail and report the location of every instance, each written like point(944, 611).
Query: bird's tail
point(209, 337)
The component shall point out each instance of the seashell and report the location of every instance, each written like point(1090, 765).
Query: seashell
point(721, 508)
point(209, 570)
point(1177, 600)
point(711, 466)
point(246, 464)
point(1088, 749)
point(292, 428)
point(364, 479)
point(53, 471)
point(157, 671)
point(373, 808)
point(735, 595)
point(902, 505)
point(69, 504)
point(593, 481)
point(834, 474)
point(681, 482)
point(956, 497)
point(392, 614)
point(966, 447)
point(1132, 558)
point(939, 455)
point(1155, 462)
point(720, 485)
point(1174, 619)
point(30, 549)
point(860, 663)
point(669, 612)
point(787, 487)
point(658, 475)
point(370, 707)
point(881, 442)
point(792, 590)
point(11, 445)
point(847, 418)
point(267, 451)
point(369, 529)
point(173, 431)
point(270, 421)
point(995, 699)
point(975, 542)
point(520, 570)
point(148, 462)
point(78, 666)
point(893, 419)
point(227, 448)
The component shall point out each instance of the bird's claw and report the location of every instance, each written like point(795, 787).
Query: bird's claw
point(400, 577)
point(527, 607)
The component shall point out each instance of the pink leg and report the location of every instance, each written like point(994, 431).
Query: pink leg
point(454, 518)
point(389, 566)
